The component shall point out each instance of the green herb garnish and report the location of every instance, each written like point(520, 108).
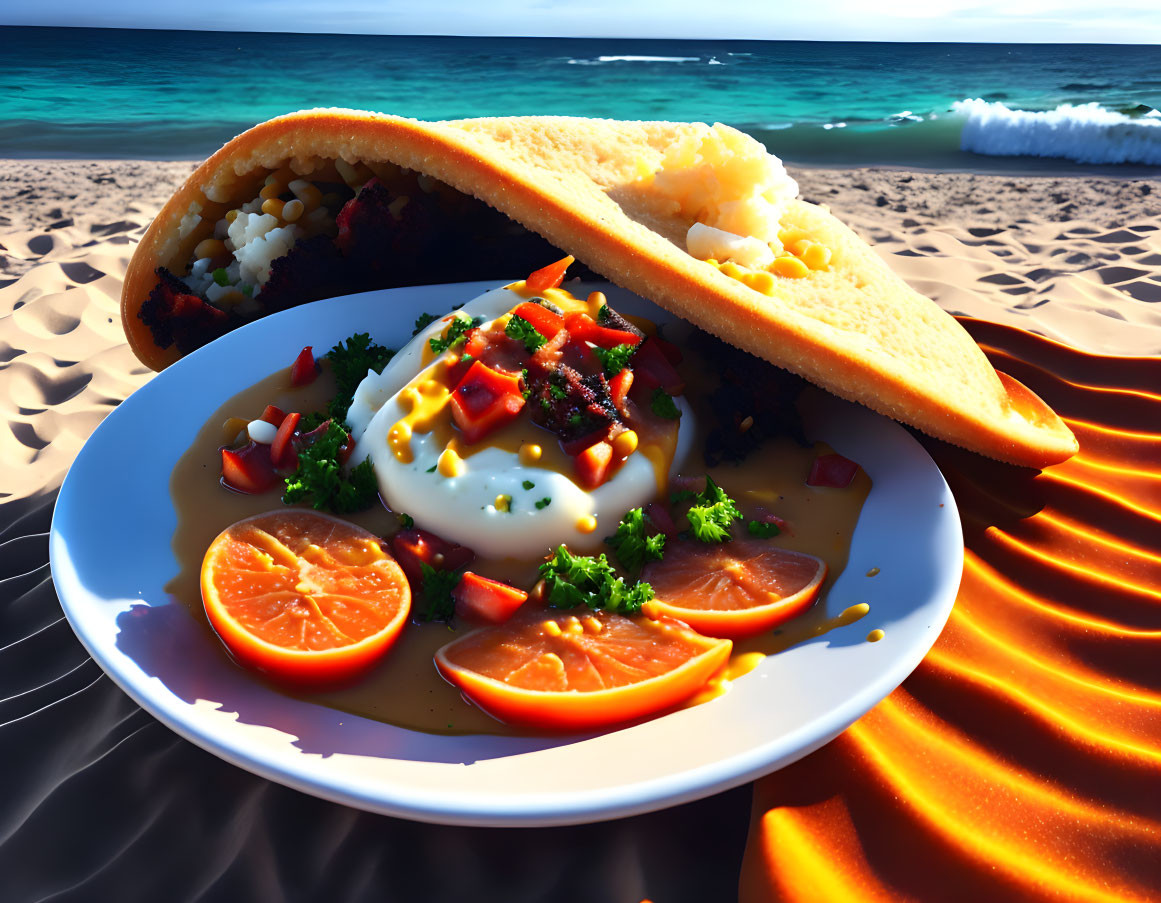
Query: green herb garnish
point(319, 480)
point(543, 503)
point(453, 335)
point(437, 603)
point(350, 364)
point(630, 544)
point(662, 405)
point(614, 359)
point(762, 530)
point(406, 521)
point(572, 580)
point(221, 276)
point(423, 321)
point(522, 331)
point(528, 484)
point(712, 513)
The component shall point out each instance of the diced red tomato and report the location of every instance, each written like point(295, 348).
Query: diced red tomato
point(249, 469)
point(485, 400)
point(832, 470)
point(542, 319)
point(582, 326)
point(272, 415)
point(574, 447)
point(304, 369)
point(282, 452)
point(592, 464)
point(654, 370)
point(550, 276)
point(414, 547)
point(619, 387)
point(480, 599)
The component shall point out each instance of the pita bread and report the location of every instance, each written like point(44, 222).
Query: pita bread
point(854, 328)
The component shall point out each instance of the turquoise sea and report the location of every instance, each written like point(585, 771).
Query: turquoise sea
point(68, 92)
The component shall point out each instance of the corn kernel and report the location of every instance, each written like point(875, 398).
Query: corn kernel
point(292, 210)
point(790, 267)
point(450, 464)
point(229, 299)
point(586, 524)
point(209, 247)
point(271, 179)
point(761, 282)
point(395, 208)
point(713, 262)
point(503, 503)
point(592, 625)
point(798, 248)
point(271, 191)
point(625, 444)
point(529, 453)
point(273, 206)
point(232, 215)
point(746, 424)
point(574, 625)
point(551, 628)
point(790, 234)
point(285, 175)
point(731, 269)
point(306, 192)
point(817, 257)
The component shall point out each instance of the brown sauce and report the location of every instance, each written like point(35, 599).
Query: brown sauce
point(405, 689)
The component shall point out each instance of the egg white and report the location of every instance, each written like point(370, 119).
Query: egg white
point(462, 509)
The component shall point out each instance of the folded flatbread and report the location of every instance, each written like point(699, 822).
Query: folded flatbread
point(622, 197)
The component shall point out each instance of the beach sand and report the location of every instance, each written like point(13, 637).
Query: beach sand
point(1075, 259)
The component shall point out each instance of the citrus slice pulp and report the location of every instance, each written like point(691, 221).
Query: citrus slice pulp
point(304, 597)
point(733, 589)
point(566, 670)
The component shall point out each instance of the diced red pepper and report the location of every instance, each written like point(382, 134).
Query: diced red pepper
point(485, 400)
point(550, 276)
point(592, 464)
point(654, 370)
point(249, 469)
point(480, 599)
point(619, 387)
point(542, 319)
point(304, 369)
point(832, 470)
point(582, 326)
point(574, 447)
point(282, 452)
point(414, 547)
point(272, 415)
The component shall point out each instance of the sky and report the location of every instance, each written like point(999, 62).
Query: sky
point(1022, 21)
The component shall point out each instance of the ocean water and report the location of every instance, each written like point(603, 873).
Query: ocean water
point(152, 94)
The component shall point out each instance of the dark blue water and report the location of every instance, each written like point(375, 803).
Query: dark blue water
point(153, 94)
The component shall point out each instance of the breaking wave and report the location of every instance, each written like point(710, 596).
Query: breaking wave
point(1086, 133)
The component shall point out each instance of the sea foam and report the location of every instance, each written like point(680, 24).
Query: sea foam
point(1086, 133)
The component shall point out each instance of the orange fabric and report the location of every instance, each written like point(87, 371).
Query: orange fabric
point(1022, 759)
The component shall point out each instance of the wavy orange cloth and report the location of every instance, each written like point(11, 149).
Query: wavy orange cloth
point(1022, 759)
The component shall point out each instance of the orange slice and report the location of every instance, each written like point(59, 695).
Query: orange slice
point(304, 597)
point(733, 589)
point(580, 669)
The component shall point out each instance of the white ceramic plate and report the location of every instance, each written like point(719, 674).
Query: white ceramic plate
point(111, 557)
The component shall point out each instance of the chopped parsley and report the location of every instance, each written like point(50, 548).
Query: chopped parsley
point(762, 530)
point(614, 359)
point(423, 321)
point(437, 603)
point(528, 484)
point(350, 365)
point(406, 521)
point(319, 480)
point(543, 503)
point(603, 314)
point(522, 331)
point(573, 580)
point(712, 512)
point(663, 406)
point(430, 469)
point(630, 544)
point(221, 277)
point(453, 335)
